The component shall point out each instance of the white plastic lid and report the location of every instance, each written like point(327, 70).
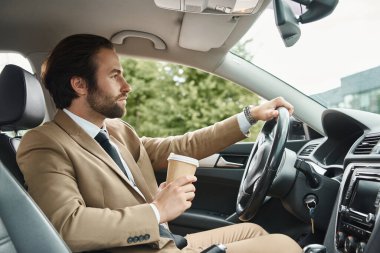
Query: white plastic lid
point(183, 158)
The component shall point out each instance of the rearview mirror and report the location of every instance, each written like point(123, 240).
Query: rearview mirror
point(316, 9)
point(287, 22)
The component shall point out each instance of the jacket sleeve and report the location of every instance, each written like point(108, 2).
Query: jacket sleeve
point(198, 144)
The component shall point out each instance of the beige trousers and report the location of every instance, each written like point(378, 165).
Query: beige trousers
point(243, 238)
point(239, 238)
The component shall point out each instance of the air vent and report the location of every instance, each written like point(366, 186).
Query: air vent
point(366, 145)
point(308, 149)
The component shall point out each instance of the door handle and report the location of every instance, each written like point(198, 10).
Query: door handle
point(226, 164)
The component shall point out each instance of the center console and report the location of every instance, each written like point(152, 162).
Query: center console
point(358, 208)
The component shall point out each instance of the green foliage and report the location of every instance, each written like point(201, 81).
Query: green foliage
point(241, 49)
point(169, 99)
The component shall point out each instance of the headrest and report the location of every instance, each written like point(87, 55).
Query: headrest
point(22, 104)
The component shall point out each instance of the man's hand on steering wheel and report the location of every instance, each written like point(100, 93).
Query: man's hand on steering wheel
point(267, 110)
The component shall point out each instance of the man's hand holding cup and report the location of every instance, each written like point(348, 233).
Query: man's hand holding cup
point(175, 195)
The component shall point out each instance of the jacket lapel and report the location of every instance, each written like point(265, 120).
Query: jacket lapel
point(89, 144)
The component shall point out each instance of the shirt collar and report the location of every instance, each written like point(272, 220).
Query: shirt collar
point(90, 128)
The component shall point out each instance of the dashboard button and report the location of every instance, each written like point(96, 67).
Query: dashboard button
point(340, 239)
point(350, 244)
point(361, 247)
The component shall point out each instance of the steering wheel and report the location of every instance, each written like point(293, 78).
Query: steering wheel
point(262, 165)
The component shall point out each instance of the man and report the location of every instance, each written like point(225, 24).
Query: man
point(98, 202)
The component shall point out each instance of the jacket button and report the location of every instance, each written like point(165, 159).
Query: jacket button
point(146, 236)
point(130, 240)
point(141, 238)
point(135, 239)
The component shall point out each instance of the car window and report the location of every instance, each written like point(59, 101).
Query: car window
point(16, 59)
point(170, 99)
point(336, 60)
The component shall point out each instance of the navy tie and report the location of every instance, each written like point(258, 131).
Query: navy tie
point(104, 141)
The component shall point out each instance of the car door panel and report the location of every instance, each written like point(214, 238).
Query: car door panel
point(217, 187)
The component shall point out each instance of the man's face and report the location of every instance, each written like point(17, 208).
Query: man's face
point(111, 90)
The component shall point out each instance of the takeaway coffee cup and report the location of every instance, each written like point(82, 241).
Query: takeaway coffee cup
point(180, 165)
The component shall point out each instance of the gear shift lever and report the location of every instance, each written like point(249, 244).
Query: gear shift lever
point(315, 248)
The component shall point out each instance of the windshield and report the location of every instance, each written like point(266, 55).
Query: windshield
point(336, 60)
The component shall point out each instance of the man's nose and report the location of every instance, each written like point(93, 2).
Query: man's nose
point(126, 87)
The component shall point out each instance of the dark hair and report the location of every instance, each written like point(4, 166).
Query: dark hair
point(73, 56)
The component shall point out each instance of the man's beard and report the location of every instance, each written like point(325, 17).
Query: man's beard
point(106, 105)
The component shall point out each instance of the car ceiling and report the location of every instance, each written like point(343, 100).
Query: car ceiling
point(34, 27)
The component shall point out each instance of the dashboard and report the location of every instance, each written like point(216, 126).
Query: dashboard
point(347, 161)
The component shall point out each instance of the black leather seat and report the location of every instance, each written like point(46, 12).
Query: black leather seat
point(23, 226)
point(22, 106)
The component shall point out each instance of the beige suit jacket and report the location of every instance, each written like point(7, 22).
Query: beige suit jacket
point(88, 198)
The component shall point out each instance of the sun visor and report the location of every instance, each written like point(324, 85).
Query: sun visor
point(202, 32)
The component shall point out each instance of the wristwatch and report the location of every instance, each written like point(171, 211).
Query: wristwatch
point(248, 115)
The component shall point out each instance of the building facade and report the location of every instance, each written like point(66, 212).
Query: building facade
point(358, 91)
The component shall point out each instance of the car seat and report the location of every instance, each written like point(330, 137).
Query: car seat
point(23, 226)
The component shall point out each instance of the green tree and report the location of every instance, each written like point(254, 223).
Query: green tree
point(169, 99)
point(241, 49)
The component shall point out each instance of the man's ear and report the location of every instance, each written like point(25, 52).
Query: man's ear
point(79, 85)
